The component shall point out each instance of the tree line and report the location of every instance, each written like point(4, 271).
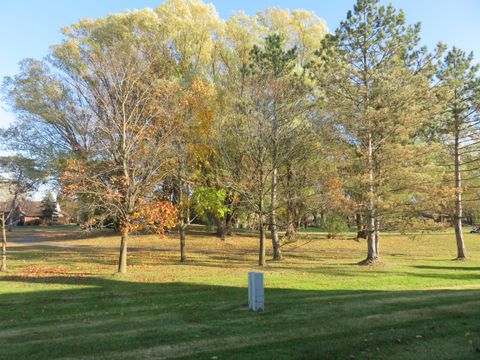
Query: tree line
point(152, 119)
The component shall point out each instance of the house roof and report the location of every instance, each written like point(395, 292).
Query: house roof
point(31, 208)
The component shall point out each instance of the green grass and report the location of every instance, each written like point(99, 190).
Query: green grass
point(65, 301)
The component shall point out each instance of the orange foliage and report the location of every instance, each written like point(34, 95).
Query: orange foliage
point(155, 216)
point(73, 171)
point(336, 195)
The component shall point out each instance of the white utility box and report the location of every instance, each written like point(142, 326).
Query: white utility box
point(256, 296)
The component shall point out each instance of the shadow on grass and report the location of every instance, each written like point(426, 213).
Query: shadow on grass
point(55, 255)
point(34, 234)
point(84, 316)
point(465, 268)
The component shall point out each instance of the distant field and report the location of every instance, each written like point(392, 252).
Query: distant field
point(61, 299)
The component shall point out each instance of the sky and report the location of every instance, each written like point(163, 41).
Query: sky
point(29, 27)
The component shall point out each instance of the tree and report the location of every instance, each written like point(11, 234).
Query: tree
point(458, 126)
point(283, 42)
point(3, 265)
point(110, 75)
point(192, 146)
point(254, 143)
point(377, 90)
point(49, 207)
point(52, 117)
point(24, 177)
point(271, 68)
point(244, 154)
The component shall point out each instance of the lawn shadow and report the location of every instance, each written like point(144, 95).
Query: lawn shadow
point(34, 234)
point(436, 267)
point(117, 318)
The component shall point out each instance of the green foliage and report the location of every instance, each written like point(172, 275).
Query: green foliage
point(334, 225)
point(49, 207)
point(273, 58)
point(207, 200)
point(25, 174)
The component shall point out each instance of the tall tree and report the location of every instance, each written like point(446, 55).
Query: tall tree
point(284, 41)
point(110, 75)
point(459, 126)
point(193, 149)
point(376, 84)
point(3, 265)
point(272, 103)
point(271, 68)
point(244, 154)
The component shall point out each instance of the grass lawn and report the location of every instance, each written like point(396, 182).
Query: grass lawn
point(61, 299)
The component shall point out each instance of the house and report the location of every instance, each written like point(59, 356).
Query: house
point(29, 212)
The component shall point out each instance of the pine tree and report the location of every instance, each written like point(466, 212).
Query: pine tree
point(49, 207)
point(376, 86)
point(458, 126)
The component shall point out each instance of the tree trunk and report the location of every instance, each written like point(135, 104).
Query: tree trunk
point(277, 254)
point(228, 222)
point(181, 231)
point(291, 230)
point(221, 227)
point(372, 248)
point(261, 257)
point(224, 223)
point(358, 220)
point(377, 237)
point(122, 262)
point(3, 266)
point(461, 251)
point(181, 214)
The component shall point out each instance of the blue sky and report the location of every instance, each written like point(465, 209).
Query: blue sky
point(29, 27)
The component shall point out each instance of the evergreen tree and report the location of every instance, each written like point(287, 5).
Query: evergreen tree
point(458, 126)
point(49, 207)
point(376, 87)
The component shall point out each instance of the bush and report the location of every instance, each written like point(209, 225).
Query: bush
point(334, 225)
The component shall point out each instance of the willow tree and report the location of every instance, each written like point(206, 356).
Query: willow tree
point(190, 30)
point(459, 126)
point(376, 84)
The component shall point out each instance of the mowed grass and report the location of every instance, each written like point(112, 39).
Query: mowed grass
point(61, 299)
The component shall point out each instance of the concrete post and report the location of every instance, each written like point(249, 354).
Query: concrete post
point(256, 296)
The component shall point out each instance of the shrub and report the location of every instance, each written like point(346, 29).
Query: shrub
point(334, 225)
